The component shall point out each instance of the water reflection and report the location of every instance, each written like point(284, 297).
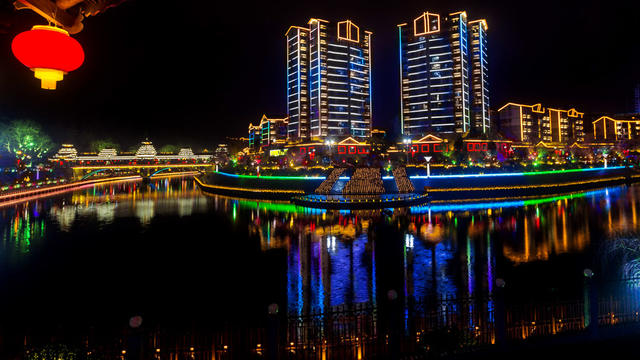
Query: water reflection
point(25, 223)
point(141, 200)
point(340, 258)
point(446, 249)
point(21, 228)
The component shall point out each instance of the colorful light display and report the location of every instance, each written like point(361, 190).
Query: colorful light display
point(49, 52)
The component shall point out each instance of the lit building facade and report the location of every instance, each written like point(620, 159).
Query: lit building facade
point(534, 123)
point(254, 135)
point(442, 58)
point(566, 125)
point(328, 81)
point(66, 152)
point(146, 151)
point(436, 147)
point(606, 128)
point(268, 132)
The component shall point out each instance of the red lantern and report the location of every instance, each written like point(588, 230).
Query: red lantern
point(49, 52)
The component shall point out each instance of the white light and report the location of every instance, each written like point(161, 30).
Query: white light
point(408, 241)
point(331, 243)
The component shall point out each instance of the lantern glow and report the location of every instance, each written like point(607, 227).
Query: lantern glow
point(49, 52)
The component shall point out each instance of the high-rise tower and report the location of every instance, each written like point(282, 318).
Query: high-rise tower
point(437, 54)
point(328, 80)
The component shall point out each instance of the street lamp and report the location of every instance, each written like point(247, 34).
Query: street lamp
point(406, 142)
point(428, 159)
point(330, 143)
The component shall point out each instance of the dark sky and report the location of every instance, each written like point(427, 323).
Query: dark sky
point(196, 74)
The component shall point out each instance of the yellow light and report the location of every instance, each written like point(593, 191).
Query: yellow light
point(348, 34)
point(521, 125)
point(426, 30)
point(48, 77)
point(247, 189)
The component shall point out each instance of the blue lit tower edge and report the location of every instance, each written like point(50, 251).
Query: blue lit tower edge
point(297, 72)
point(479, 76)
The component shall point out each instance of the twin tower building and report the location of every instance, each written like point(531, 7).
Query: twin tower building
point(443, 72)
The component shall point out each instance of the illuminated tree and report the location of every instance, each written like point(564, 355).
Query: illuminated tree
point(99, 145)
point(172, 149)
point(25, 140)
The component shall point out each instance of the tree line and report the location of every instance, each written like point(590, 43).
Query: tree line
point(27, 141)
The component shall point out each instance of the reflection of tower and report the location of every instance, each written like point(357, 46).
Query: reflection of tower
point(144, 210)
point(329, 270)
point(65, 216)
point(294, 277)
point(105, 212)
point(470, 262)
point(361, 269)
point(469, 266)
point(340, 274)
point(185, 206)
point(306, 247)
point(325, 275)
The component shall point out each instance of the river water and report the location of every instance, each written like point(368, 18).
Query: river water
point(97, 256)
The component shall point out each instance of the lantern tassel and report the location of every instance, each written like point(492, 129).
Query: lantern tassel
point(48, 77)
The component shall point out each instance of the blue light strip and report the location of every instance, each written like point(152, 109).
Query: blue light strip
point(463, 176)
point(510, 174)
point(466, 207)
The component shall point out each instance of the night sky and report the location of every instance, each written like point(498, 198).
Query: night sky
point(193, 75)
